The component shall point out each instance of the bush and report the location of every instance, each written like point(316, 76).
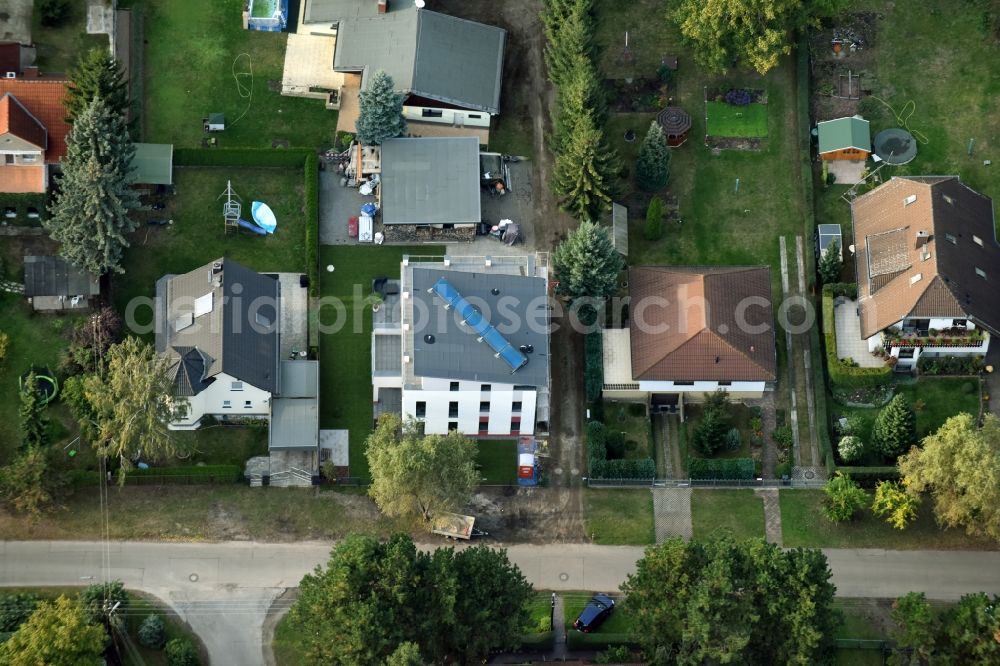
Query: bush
point(710, 435)
point(726, 469)
point(951, 365)
point(733, 439)
point(152, 632)
point(53, 12)
point(845, 289)
point(15, 609)
point(783, 436)
point(654, 220)
point(850, 448)
point(868, 477)
point(620, 654)
point(593, 371)
point(182, 652)
point(21, 203)
point(98, 599)
point(738, 97)
point(615, 445)
point(844, 498)
point(4, 345)
point(602, 468)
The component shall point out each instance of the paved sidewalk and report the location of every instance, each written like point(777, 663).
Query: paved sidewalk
point(672, 513)
point(772, 514)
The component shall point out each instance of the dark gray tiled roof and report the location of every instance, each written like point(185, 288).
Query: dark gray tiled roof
point(519, 311)
point(53, 276)
point(237, 335)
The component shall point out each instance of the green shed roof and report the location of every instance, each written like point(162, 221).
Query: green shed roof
point(154, 164)
point(843, 133)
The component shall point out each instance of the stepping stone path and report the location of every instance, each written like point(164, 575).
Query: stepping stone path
point(11, 287)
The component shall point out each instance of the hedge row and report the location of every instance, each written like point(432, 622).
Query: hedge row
point(312, 222)
point(593, 368)
point(842, 374)
point(868, 477)
point(845, 289)
point(21, 203)
point(182, 474)
point(244, 157)
point(602, 468)
point(721, 468)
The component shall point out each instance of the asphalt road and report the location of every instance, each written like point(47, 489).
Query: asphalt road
point(225, 589)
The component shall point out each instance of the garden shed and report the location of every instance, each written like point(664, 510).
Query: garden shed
point(826, 235)
point(52, 284)
point(676, 123)
point(844, 139)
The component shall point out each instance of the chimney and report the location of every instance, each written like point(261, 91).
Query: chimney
point(922, 238)
point(30, 72)
point(383, 6)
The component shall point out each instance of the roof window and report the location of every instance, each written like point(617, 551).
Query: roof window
point(977, 240)
point(203, 304)
point(980, 272)
point(910, 199)
point(951, 239)
point(916, 278)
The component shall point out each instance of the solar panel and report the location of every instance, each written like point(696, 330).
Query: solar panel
point(474, 319)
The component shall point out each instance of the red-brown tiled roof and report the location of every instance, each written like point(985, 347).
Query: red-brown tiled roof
point(701, 323)
point(16, 120)
point(18, 179)
point(43, 98)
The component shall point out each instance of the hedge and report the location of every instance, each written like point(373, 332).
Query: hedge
point(602, 468)
point(21, 203)
point(841, 374)
point(593, 368)
point(312, 222)
point(868, 477)
point(845, 289)
point(721, 468)
point(165, 475)
point(246, 157)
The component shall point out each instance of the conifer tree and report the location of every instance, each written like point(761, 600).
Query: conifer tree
point(568, 31)
point(653, 167)
point(97, 74)
point(34, 422)
point(586, 264)
point(584, 171)
point(89, 212)
point(895, 429)
point(829, 263)
point(381, 114)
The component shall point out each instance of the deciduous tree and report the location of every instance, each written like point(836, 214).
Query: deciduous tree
point(724, 601)
point(90, 209)
point(58, 633)
point(380, 111)
point(916, 630)
point(97, 74)
point(586, 264)
point(407, 654)
point(850, 448)
point(892, 502)
point(27, 483)
point(844, 498)
point(419, 476)
point(966, 633)
point(895, 429)
point(959, 465)
point(372, 597)
point(653, 167)
point(132, 405)
point(754, 33)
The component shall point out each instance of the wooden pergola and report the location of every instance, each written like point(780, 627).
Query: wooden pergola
point(676, 123)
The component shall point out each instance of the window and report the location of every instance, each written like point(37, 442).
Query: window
point(247, 404)
point(959, 323)
point(431, 113)
point(452, 425)
point(226, 404)
point(486, 388)
point(910, 199)
point(916, 278)
point(453, 410)
point(474, 115)
point(484, 406)
point(515, 407)
point(421, 409)
point(725, 383)
point(29, 157)
point(484, 426)
point(453, 387)
point(236, 386)
point(981, 273)
point(9, 159)
point(683, 383)
point(906, 352)
point(951, 239)
point(515, 424)
point(522, 387)
point(977, 240)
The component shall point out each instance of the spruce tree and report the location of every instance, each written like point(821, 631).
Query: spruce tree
point(829, 264)
point(97, 74)
point(654, 220)
point(586, 264)
point(653, 167)
point(568, 39)
point(895, 429)
point(381, 114)
point(578, 96)
point(89, 211)
point(34, 422)
point(584, 171)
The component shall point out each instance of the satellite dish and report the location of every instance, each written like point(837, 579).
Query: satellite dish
point(851, 248)
point(420, 4)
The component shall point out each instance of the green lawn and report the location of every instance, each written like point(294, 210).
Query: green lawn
point(620, 517)
point(630, 419)
point(614, 630)
point(740, 416)
point(726, 120)
point(198, 236)
point(803, 524)
point(140, 606)
point(345, 375)
point(192, 50)
point(497, 461)
point(35, 339)
point(739, 512)
point(208, 513)
point(287, 643)
point(59, 47)
point(942, 397)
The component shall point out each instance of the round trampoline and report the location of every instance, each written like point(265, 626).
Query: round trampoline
point(46, 384)
point(895, 146)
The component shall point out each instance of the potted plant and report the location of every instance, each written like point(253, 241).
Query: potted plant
point(375, 299)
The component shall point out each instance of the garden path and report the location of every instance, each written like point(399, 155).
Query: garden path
point(672, 513)
point(772, 514)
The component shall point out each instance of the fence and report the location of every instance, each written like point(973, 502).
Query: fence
point(706, 483)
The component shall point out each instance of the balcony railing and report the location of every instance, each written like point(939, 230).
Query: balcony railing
point(907, 340)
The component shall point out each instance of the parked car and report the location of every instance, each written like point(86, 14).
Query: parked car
point(594, 613)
